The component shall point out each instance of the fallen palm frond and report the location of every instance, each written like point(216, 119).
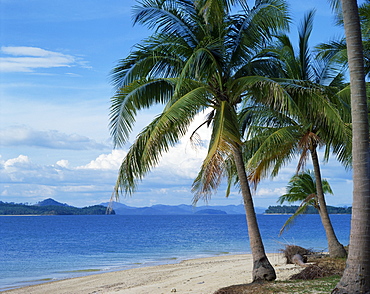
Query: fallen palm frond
point(291, 251)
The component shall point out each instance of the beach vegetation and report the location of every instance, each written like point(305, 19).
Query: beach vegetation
point(201, 59)
point(320, 276)
point(319, 117)
point(302, 188)
point(256, 95)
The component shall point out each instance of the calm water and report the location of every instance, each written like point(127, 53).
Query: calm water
point(35, 249)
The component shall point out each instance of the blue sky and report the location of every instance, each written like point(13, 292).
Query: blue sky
point(55, 59)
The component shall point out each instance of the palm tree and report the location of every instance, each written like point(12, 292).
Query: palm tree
point(199, 58)
point(302, 187)
point(356, 276)
point(316, 121)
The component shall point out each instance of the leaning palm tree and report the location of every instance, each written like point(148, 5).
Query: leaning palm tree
point(302, 188)
point(316, 122)
point(199, 59)
point(356, 276)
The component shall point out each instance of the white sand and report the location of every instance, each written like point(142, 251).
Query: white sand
point(198, 276)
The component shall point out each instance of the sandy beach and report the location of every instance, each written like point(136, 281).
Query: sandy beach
point(198, 276)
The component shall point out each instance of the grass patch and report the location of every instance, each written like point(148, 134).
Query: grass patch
point(322, 285)
point(325, 282)
point(317, 286)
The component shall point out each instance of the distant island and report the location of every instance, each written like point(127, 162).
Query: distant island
point(160, 209)
point(283, 209)
point(50, 207)
point(182, 209)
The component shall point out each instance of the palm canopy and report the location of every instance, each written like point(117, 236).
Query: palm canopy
point(302, 188)
point(190, 64)
point(320, 115)
point(320, 119)
point(201, 57)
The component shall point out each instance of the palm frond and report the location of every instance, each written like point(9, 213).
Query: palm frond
point(170, 17)
point(132, 98)
point(267, 158)
point(155, 139)
point(225, 137)
point(304, 51)
point(290, 221)
point(302, 188)
point(158, 56)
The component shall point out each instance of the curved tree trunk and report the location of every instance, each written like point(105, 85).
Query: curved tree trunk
point(356, 276)
point(262, 269)
point(335, 248)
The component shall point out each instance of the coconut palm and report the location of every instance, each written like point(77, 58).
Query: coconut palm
point(199, 59)
point(356, 276)
point(302, 188)
point(317, 120)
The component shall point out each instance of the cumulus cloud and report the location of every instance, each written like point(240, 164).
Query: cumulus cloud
point(63, 163)
point(25, 136)
point(22, 170)
point(29, 59)
point(111, 161)
point(21, 161)
point(23, 180)
point(182, 160)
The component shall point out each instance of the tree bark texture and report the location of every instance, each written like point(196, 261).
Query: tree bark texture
point(335, 248)
point(356, 276)
point(262, 269)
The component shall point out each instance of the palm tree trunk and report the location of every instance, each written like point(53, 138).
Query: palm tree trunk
point(335, 248)
point(262, 269)
point(356, 276)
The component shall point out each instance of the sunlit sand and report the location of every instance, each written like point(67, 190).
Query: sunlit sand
point(200, 276)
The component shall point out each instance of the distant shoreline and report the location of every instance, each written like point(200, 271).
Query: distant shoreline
point(304, 214)
point(280, 213)
point(22, 215)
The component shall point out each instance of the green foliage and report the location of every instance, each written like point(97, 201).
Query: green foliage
point(302, 187)
point(200, 57)
point(22, 209)
point(313, 115)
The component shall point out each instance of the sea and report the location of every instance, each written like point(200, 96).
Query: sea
point(39, 249)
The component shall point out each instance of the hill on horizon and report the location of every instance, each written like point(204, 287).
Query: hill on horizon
point(49, 202)
point(182, 209)
point(50, 207)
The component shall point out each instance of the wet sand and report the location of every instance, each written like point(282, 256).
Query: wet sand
point(198, 276)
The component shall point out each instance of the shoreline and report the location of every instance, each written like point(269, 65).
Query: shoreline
point(198, 276)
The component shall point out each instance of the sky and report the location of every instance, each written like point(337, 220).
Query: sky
point(55, 90)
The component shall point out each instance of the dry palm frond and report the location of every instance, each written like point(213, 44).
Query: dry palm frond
point(291, 250)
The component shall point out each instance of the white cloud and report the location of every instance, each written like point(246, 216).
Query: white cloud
point(26, 136)
point(111, 161)
point(25, 181)
point(92, 179)
point(28, 59)
point(20, 161)
point(263, 192)
point(182, 160)
point(63, 163)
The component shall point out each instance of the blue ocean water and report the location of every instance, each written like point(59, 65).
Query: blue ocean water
point(36, 249)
